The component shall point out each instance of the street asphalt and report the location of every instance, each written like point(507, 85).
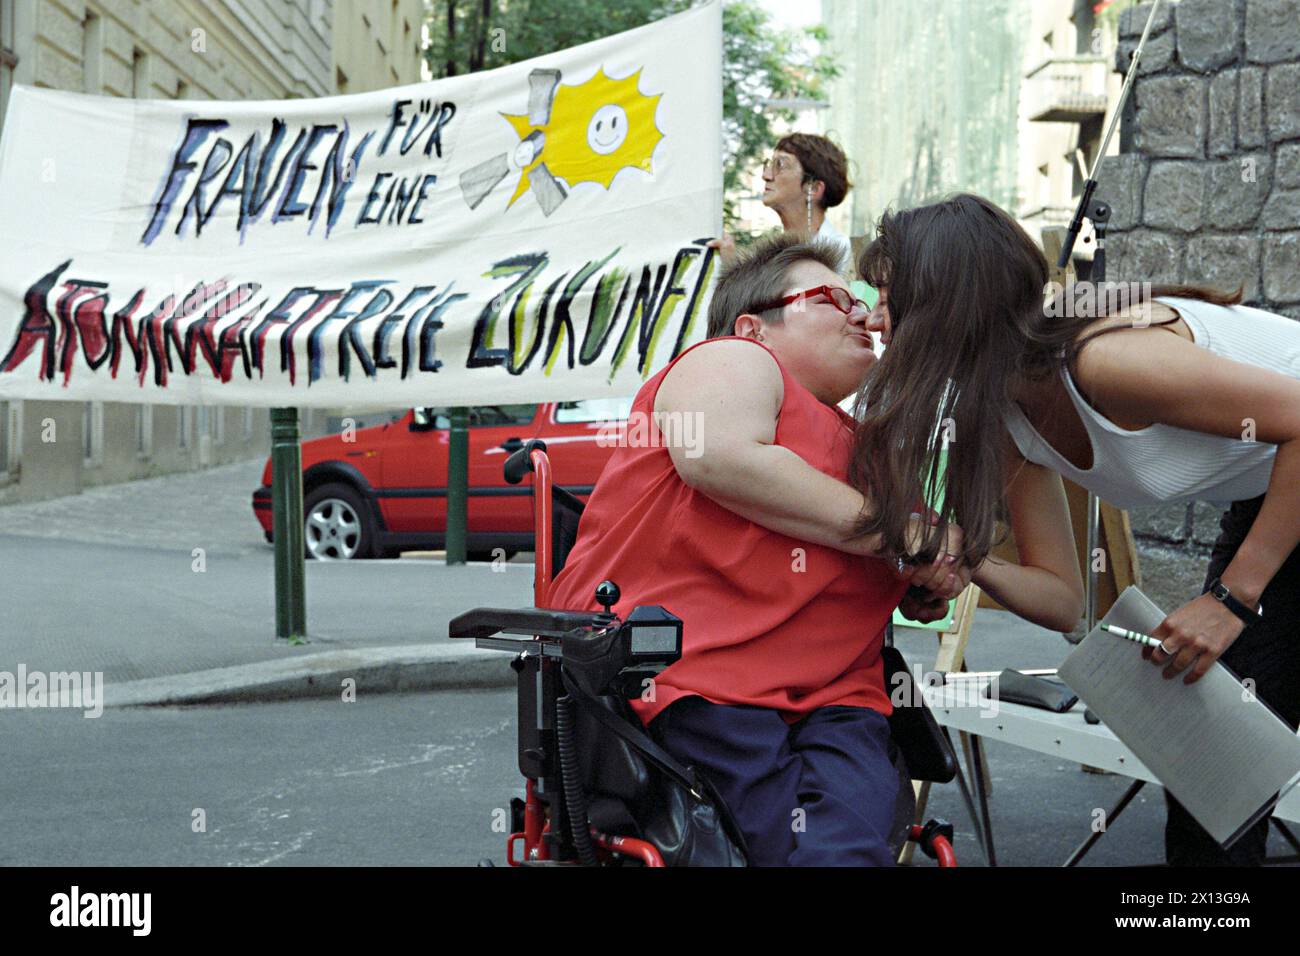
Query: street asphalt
point(166, 587)
point(395, 779)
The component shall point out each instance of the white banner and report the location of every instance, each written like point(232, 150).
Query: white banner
point(532, 233)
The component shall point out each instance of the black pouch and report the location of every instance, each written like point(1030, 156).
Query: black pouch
point(689, 825)
point(677, 810)
point(912, 726)
point(1048, 694)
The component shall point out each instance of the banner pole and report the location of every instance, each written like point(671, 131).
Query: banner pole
point(287, 525)
point(457, 484)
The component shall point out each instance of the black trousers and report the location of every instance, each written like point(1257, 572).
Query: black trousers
point(1267, 653)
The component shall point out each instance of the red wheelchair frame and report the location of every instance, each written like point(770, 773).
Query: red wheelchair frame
point(532, 845)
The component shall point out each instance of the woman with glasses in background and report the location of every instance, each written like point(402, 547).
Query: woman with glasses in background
point(804, 177)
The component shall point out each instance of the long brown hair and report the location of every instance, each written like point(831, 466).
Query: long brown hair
point(966, 296)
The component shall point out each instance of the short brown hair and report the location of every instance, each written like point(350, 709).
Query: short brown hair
point(758, 277)
point(820, 159)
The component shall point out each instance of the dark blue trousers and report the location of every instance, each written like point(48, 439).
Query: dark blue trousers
point(821, 792)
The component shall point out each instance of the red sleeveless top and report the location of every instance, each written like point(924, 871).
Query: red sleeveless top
point(768, 620)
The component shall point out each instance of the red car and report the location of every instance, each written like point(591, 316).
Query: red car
point(382, 490)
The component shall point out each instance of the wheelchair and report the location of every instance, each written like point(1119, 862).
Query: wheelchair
point(585, 787)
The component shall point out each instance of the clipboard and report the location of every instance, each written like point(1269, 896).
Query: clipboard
point(1222, 752)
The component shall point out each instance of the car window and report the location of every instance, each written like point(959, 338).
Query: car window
point(594, 410)
point(483, 415)
point(480, 416)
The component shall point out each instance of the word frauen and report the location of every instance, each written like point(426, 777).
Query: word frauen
point(309, 177)
point(34, 689)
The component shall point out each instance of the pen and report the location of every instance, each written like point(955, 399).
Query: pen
point(1135, 636)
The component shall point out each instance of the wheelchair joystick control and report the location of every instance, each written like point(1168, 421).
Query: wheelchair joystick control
point(607, 595)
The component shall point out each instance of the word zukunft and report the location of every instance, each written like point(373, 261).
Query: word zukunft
point(72, 322)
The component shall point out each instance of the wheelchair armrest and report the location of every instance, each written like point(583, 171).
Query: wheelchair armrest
point(543, 622)
point(520, 461)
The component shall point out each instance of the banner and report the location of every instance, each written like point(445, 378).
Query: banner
point(531, 233)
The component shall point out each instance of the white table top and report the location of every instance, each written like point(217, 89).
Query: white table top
point(958, 705)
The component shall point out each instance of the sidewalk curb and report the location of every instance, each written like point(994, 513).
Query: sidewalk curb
point(375, 670)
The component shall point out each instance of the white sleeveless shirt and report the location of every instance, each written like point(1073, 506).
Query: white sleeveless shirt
point(1162, 464)
point(840, 242)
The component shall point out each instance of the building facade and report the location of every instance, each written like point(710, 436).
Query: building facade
point(180, 49)
point(377, 44)
point(926, 102)
point(1069, 90)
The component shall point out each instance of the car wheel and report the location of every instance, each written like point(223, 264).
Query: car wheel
point(338, 524)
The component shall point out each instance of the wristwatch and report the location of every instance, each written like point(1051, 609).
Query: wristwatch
point(1219, 591)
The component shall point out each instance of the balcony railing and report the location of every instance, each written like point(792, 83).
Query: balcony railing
point(1067, 90)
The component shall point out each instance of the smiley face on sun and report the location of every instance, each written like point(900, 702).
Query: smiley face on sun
point(607, 130)
point(595, 130)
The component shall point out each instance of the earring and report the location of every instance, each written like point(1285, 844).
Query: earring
point(808, 193)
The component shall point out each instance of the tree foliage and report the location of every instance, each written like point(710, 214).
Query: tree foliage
point(760, 61)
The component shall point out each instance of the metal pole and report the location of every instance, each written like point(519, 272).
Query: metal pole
point(1090, 590)
point(286, 525)
point(1099, 213)
point(457, 485)
point(1090, 184)
point(1109, 818)
point(1123, 93)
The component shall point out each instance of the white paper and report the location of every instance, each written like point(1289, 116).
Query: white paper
point(1222, 753)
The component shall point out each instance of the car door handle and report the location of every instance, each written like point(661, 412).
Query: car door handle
point(512, 444)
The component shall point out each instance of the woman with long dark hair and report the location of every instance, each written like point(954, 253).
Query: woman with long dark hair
point(1143, 395)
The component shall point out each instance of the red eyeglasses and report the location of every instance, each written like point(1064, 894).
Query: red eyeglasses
point(839, 297)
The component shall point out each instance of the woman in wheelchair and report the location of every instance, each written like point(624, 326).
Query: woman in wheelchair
point(735, 515)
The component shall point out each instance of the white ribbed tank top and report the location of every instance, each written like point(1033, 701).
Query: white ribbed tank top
point(1160, 463)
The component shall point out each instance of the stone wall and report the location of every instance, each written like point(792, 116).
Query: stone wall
point(1207, 186)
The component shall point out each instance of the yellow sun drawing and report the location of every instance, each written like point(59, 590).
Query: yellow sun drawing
point(596, 129)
